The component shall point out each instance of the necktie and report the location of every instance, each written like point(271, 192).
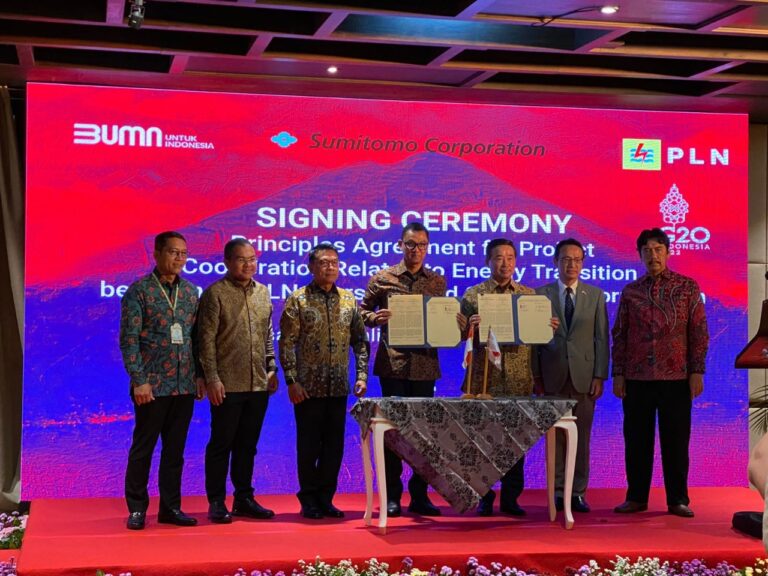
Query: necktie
point(568, 306)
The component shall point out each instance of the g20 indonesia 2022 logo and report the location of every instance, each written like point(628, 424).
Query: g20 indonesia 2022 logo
point(674, 209)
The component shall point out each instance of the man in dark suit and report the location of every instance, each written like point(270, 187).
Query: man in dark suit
point(575, 363)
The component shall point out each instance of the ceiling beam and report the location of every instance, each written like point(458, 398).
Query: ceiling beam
point(26, 55)
point(725, 18)
point(179, 64)
point(115, 11)
point(327, 28)
point(259, 45)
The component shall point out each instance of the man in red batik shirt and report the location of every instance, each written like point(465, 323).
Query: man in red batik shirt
point(659, 352)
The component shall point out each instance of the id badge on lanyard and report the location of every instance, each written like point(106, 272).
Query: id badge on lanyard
point(177, 334)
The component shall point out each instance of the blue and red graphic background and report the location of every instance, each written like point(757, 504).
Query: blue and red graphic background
point(223, 168)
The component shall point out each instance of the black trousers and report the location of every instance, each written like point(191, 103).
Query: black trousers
point(166, 417)
point(417, 486)
point(320, 424)
point(671, 400)
point(235, 430)
point(512, 484)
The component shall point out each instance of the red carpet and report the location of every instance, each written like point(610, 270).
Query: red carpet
point(80, 536)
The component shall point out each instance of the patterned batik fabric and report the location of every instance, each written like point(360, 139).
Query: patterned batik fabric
point(403, 363)
point(146, 318)
point(462, 447)
point(515, 377)
point(236, 339)
point(660, 332)
point(317, 330)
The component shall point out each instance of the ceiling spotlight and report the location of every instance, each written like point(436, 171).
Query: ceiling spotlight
point(606, 10)
point(332, 70)
point(136, 14)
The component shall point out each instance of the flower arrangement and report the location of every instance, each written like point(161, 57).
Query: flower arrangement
point(655, 567)
point(373, 567)
point(8, 568)
point(619, 567)
point(760, 568)
point(12, 528)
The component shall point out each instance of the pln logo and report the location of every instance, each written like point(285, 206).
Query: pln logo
point(284, 139)
point(641, 154)
point(674, 211)
point(646, 154)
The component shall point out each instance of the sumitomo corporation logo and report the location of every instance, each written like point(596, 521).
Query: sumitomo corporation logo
point(133, 136)
point(674, 210)
point(284, 139)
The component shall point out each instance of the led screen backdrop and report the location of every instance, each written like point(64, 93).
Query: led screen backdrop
point(108, 168)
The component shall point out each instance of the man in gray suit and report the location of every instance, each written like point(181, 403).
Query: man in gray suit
point(575, 363)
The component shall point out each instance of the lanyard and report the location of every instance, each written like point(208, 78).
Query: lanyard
point(175, 296)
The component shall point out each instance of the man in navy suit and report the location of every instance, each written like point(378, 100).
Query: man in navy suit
point(575, 363)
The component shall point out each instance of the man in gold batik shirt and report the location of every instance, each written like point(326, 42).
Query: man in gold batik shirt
point(515, 377)
point(319, 325)
point(238, 359)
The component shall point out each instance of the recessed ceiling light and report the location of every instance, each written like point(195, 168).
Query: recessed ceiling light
point(608, 10)
point(332, 70)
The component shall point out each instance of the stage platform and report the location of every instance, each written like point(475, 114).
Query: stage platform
point(83, 535)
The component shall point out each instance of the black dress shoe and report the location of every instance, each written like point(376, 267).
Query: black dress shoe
point(484, 509)
point(393, 509)
point(559, 504)
point(579, 504)
point(136, 521)
point(485, 506)
point(630, 507)
point(680, 510)
point(218, 513)
point(251, 509)
point(513, 509)
point(330, 511)
point(424, 508)
point(176, 517)
point(312, 512)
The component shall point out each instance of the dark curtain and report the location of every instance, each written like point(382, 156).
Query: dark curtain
point(11, 305)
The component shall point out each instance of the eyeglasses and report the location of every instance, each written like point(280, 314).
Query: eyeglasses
point(568, 261)
point(176, 253)
point(244, 261)
point(411, 245)
point(328, 263)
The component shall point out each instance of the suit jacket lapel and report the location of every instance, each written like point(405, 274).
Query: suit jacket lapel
point(553, 293)
point(582, 297)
